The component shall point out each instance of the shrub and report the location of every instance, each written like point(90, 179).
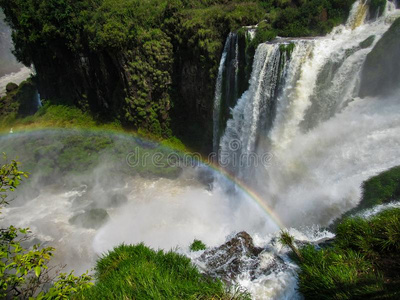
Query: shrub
point(362, 263)
point(24, 272)
point(197, 245)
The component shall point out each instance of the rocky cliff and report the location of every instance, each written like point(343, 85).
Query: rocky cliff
point(381, 70)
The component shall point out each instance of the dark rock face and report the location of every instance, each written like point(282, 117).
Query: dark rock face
point(381, 70)
point(90, 81)
point(193, 109)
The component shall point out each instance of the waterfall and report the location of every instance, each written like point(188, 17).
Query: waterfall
point(231, 81)
point(218, 89)
point(302, 108)
point(255, 109)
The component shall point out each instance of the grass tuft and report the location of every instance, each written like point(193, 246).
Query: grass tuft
point(138, 272)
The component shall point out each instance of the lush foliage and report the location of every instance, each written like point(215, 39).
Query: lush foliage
point(24, 272)
point(138, 272)
point(363, 261)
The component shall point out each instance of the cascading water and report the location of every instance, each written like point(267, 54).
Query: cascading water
point(228, 85)
point(304, 111)
point(229, 45)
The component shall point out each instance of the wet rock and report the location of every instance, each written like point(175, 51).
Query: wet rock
point(91, 219)
point(206, 177)
point(230, 259)
point(381, 71)
point(117, 200)
point(367, 42)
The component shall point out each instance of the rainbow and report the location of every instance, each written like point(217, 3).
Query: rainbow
point(243, 187)
point(250, 193)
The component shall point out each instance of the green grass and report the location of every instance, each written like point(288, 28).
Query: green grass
point(59, 116)
point(362, 263)
point(197, 245)
point(138, 272)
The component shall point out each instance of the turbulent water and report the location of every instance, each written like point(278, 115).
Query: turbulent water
point(301, 114)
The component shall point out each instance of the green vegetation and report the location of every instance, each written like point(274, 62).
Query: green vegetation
point(138, 272)
point(362, 263)
point(57, 116)
point(24, 272)
point(197, 245)
point(380, 189)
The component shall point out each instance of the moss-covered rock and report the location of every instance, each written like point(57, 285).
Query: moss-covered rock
point(367, 42)
point(381, 70)
point(20, 101)
point(11, 87)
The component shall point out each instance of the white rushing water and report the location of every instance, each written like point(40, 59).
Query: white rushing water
point(228, 68)
point(218, 92)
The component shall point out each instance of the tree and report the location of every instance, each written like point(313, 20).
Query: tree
point(24, 272)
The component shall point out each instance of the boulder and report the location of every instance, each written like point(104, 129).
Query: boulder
point(11, 87)
point(91, 219)
point(117, 200)
point(230, 259)
point(381, 71)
